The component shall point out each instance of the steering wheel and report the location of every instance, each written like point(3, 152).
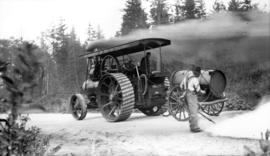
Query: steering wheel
point(109, 64)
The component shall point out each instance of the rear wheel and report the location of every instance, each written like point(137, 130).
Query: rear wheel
point(78, 106)
point(116, 97)
point(214, 109)
point(178, 107)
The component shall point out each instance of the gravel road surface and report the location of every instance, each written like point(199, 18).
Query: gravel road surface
point(139, 135)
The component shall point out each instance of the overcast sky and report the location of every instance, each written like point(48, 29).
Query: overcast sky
point(28, 18)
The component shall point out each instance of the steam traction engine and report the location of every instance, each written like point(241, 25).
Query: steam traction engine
point(116, 84)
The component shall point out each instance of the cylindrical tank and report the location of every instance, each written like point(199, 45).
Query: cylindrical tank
point(214, 80)
point(178, 76)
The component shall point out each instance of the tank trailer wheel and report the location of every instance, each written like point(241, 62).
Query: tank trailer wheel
point(78, 106)
point(116, 97)
point(153, 111)
point(178, 107)
point(109, 64)
point(214, 109)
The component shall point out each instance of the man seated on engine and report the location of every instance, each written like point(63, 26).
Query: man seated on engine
point(145, 64)
point(191, 85)
point(128, 64)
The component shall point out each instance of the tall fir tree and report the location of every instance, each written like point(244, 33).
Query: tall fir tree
point(190, 9)
point(201, 10)
point(159, 12)
point(219, 6)
point(66, 48)
point(59, 41)
point(246, 5)
point(240, 8)
point(91, 34)
point(234, 5)
point(72, 75)
point(134, 17)
point(178, 11)
point(72, 34)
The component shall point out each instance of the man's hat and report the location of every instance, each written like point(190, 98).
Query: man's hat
point(196, 69)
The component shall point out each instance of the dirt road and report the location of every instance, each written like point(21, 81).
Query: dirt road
point(139, 135)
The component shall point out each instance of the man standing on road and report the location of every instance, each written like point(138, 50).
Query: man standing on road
point(192, 87)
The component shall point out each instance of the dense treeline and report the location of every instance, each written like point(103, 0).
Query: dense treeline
point(60, 48)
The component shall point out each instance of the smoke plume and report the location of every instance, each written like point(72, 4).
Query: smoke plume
point(235, 37)
point(247, 125)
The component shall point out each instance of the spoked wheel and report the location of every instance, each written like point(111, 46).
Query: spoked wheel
point(110, 64)
point(78, 106)
point(116, 97)
point(213, 109)
point(178, 107)
point(153, 111)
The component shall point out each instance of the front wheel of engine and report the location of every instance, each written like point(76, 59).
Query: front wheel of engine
point(78, 106)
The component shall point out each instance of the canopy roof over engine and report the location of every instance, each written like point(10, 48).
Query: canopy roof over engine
point(109, 48)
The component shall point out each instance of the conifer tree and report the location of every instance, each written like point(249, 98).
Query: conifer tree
point(234, 5)
point(193, 9)
point(134, 17)
point(219, 6)
point(190, 9)
point(240, 7)
point(178, 11)
point(59, 41)
point(246, 5)
point(201, 9)
point(159, 12)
